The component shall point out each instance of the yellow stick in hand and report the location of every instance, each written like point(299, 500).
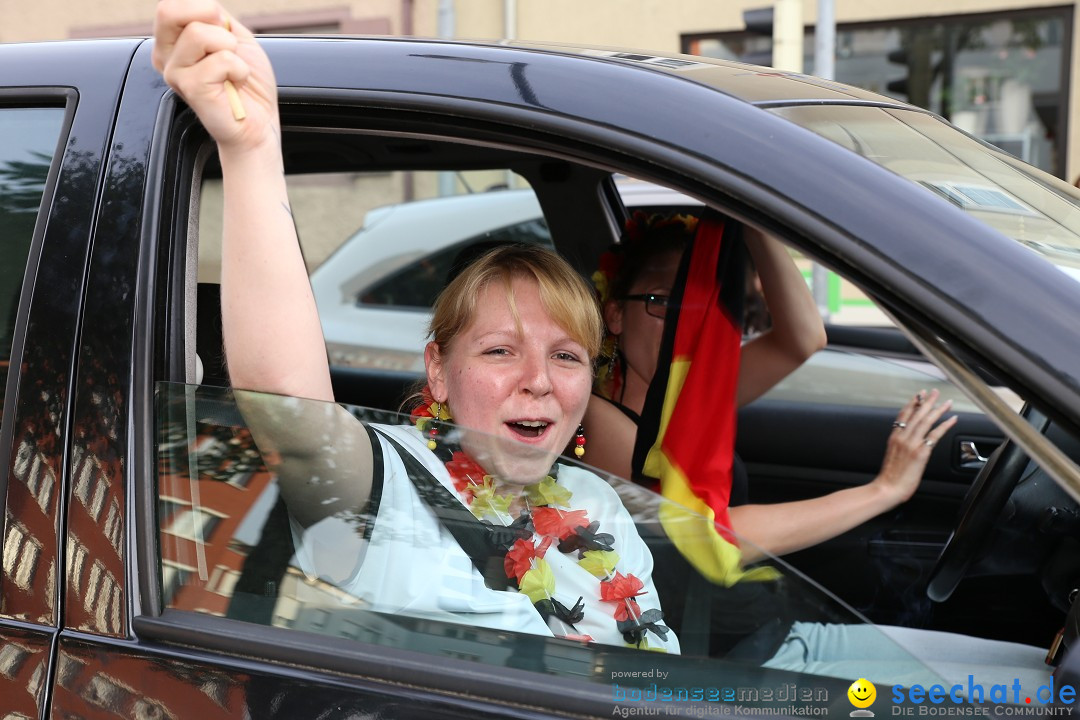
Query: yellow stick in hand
point(238, 111)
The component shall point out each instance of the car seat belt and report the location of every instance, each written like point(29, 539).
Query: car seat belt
point(485, 544)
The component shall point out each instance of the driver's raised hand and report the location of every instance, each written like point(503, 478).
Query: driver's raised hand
point(197, 47)
point(915, 433)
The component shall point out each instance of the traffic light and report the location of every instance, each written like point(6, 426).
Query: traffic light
point(916, 54)
point(900, 85)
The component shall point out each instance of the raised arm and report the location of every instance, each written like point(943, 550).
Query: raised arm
point(797, 331)
point(273, 338)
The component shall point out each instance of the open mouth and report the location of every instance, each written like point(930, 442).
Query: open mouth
point(528, 428)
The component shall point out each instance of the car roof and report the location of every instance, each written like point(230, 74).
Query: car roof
point(752, 83)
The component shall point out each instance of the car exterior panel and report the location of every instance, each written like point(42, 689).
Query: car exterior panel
point(87, 81)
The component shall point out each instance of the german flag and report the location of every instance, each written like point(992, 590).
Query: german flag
point(686, 438)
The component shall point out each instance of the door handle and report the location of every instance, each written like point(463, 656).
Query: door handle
point(970, 456)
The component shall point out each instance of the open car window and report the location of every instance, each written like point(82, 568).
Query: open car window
point(390, 245)
point(862, 379)
point(394, 572)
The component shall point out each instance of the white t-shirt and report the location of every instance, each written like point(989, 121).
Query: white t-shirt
point(412, 565)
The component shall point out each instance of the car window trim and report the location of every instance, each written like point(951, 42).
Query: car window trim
point(379, 663)
point(170, 237)
point(292, 652)
point(772, 104)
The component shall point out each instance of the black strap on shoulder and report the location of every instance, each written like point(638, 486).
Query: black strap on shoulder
point(633, 416)
point(471, 534)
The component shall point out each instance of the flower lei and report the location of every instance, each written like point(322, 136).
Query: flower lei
point(548, 515)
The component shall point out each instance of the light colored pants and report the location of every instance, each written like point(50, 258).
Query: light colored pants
point(905, 656)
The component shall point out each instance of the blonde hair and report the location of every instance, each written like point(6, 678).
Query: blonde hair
point(566, 296)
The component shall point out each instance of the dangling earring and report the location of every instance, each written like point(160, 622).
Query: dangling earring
point(579, 441)
point(613, 357)
point(433, 431)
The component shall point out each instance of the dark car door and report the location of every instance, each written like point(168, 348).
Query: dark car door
point(142, 536)
point(57, 105)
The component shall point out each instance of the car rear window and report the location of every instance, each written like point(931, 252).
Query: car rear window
point(28, 138)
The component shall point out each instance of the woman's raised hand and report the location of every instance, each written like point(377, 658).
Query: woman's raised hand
point(197, 48)
point(915, 433)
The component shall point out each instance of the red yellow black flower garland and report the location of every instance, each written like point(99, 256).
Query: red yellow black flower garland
point(547, 515)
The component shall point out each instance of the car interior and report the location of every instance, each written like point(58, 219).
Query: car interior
point(808, 438)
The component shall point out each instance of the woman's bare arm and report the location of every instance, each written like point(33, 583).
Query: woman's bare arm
point(782, 528)
point(273, 337)
point(797, 331)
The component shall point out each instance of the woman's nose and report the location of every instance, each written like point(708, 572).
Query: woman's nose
point(535, 376)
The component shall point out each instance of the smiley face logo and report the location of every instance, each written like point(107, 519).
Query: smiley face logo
point(862, 693)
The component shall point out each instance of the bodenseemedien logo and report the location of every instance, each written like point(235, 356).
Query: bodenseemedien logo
point(862, 694)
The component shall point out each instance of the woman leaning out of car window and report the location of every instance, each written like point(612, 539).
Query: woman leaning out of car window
point(514, 337)
point(513, 342)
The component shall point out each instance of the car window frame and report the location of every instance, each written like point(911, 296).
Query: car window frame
point(277, 645)
point(742, 197)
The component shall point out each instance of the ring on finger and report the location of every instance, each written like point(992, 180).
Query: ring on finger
point(929, 443)
point(899, 424)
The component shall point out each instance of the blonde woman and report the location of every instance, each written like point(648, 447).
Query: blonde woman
point(480, 525)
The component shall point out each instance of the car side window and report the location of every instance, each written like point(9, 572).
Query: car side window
point(397, 572)
point(28, 138)
point(229, 544)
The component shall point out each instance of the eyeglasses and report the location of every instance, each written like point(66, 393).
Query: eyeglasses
point(655, 305)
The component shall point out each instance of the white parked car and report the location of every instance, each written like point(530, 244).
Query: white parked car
point(385, 277)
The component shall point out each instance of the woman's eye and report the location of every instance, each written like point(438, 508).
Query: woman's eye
point(566, 357)
point(497, 351)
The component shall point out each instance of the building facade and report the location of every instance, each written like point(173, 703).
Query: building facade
point(1001, 69)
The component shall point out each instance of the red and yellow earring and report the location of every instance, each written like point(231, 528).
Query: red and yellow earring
point(434, 427)
point(579, 441)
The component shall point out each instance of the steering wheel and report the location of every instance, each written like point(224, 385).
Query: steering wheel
point(981, 508)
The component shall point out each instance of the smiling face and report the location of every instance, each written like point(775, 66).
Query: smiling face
point(522, 381)
point(862, 693)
